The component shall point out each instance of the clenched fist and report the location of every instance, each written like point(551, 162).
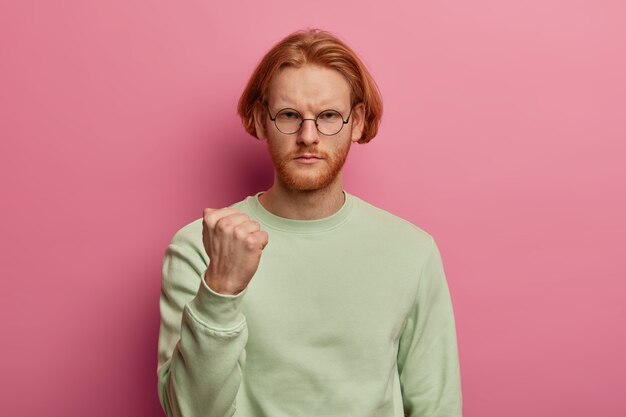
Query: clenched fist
point(234, 244)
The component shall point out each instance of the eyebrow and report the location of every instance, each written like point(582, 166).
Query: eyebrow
point(282, 106)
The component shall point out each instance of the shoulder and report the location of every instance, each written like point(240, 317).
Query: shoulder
point(385, 223)
point(188, 235)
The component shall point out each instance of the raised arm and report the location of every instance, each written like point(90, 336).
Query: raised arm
point(203, 332)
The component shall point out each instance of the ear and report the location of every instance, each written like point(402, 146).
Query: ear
point(358, 121)
point(259, 122)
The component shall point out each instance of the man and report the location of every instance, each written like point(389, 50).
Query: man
point(305, 300)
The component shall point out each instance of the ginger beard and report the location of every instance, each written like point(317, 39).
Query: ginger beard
point(309, 177)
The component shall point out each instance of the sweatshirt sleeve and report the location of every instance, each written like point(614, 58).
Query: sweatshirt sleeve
point(428, 361)
point(202, 338)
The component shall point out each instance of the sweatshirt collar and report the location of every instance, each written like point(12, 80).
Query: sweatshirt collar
point(300, 226)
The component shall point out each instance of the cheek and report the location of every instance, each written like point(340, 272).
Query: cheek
point(277, 148)
point(274, 144)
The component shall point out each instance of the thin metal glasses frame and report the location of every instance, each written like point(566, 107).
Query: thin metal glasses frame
point(302, 119)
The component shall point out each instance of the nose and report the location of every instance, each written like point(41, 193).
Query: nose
point(308, 133)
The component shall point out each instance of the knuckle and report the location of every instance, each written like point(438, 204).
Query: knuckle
point(209, 213)
point(251, 242)
point(240, 232)
point(223, 224)
point(209, 218)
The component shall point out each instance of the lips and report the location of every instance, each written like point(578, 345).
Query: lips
point(308, 159)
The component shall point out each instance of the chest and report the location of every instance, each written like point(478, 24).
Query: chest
point(334, 297)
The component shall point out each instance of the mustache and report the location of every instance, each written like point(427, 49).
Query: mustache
point(313, 152)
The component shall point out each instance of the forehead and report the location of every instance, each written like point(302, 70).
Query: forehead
point(309, 88)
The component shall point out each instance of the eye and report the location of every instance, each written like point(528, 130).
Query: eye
point(288, 115)
point(329, 116)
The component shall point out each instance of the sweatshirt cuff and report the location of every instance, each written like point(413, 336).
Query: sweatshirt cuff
point(215, 310)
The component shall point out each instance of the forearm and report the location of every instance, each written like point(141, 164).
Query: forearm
point(204, 373)
point(202, 335)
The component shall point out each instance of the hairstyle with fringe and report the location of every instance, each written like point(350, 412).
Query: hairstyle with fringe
point(316, 47)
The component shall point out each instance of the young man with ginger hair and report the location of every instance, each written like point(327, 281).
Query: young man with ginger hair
point(304, 300)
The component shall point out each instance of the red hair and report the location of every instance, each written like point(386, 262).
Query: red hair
point(315, 47)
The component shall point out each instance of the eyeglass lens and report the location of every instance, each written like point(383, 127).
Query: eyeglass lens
point(329, 122)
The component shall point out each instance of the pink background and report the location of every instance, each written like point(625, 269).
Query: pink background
point(504, 136)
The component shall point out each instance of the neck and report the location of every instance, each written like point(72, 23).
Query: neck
point(303, 204)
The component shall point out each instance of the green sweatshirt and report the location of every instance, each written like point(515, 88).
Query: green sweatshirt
point(347, 316)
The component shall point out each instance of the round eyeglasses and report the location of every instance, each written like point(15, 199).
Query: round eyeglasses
point(328, 122)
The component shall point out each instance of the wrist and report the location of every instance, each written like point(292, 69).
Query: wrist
point(220, 285)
